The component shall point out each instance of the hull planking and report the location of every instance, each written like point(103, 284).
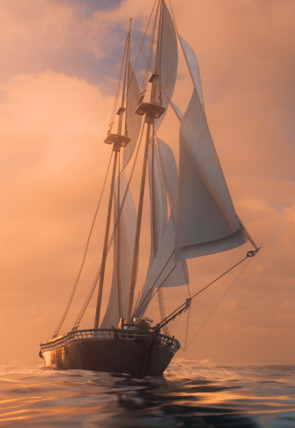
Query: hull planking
point(137, 353)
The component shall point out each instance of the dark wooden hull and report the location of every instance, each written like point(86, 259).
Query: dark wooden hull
point(136, 353)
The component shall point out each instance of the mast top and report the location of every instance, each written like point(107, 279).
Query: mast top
point(120, 139)
point(154, 109)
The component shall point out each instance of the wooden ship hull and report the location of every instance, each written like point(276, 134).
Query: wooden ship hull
point(137, 353)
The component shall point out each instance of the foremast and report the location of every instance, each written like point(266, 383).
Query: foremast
point(117, 140)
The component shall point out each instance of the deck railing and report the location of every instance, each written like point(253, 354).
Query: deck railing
point(102, 334)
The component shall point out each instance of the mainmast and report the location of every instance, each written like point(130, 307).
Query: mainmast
point(152, 110)
point(118, 140)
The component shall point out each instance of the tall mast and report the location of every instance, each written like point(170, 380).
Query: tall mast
point(152, 110)
point(117, 140)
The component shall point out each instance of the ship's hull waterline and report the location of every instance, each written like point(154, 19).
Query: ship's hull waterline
point(137, 353)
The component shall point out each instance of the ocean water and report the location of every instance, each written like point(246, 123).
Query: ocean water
point(190, 394)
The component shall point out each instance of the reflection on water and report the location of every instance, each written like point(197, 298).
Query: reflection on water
point(189, 395)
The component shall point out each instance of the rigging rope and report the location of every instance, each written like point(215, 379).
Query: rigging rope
point(187, 326)
point(150, 296)
point(119, 288)
point(162, 309)
point(145, 303)
point(217, 305)
point(57, 330)
point(140, 51)
point(81, 314)
point(114, 110)
point(187, 303)
point(150, 54)
point(188, 319)
point(155, 231)
point(170, 205)
point(91, 291)
point(160, 37)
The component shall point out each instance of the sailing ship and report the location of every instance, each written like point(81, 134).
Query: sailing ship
point(191, 214)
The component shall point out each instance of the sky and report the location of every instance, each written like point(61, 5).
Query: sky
point(59, 61)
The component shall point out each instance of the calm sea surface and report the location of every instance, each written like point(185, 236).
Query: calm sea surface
point(190, 394)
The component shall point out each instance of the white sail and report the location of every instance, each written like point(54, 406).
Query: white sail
point(168, 62)
point(169, 171)
point(133, 119)
point(123, 253)
point(163, 271)
point(158, 200)
point(193, 67)
point(206, 219)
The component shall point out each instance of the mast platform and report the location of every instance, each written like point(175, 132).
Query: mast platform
point(151, 110)
point(117, 139)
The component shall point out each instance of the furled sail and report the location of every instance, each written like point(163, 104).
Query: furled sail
point(206, 219)
point(133, 120)
point(163, 271)
point(123, 253)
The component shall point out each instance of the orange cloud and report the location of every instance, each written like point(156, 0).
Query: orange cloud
point(53, 160)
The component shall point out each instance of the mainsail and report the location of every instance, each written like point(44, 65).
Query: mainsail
point(163, 270)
